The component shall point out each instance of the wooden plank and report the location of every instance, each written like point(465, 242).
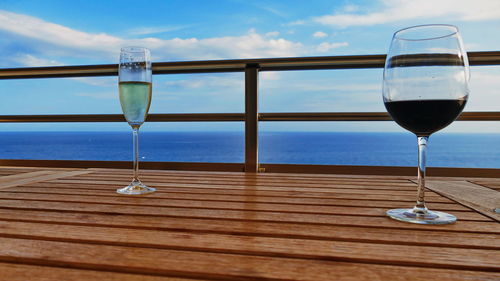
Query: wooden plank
point(205, 204)
point(32, 168)
point(285, 176)
point(248, 179)
point(246, 267)
point(479, 198)
point(23, 272)
point(158, 185)
point(367, 185)
point(294, 201)
point(278, 176)
point(275, 247)
point(100, 171)
point(231, 183)
point(495, 185)
point(220, 224)
point(26, 178)
point(20, 170)
point(248, 213)
point(20, 176)
point(242, 174)
point(8, 173)
point(486, 182)
point(246, 193)
point(245, 181)
point(171, 176)
point(237, 240)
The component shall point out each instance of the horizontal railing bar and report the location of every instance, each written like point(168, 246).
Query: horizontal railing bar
point(211, 66)
point(172, 117)
point(364, 116)
point(268, 168)
point(326, 116)
point(233, 117)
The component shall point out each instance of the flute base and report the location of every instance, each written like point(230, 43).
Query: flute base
point(430, 217)
point(136, 188)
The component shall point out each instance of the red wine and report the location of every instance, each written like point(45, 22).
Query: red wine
point(424, 117)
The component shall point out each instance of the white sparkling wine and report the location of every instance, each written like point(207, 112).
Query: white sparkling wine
point(135, 98)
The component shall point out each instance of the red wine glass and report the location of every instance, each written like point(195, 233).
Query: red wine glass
point(425, 88)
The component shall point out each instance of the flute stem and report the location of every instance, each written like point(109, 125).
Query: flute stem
point(135, 132)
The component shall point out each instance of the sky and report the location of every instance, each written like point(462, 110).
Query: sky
point(45, 33)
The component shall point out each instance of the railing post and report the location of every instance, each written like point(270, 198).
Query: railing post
point(251, 118)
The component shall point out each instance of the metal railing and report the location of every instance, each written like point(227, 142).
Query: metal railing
point(251, 116)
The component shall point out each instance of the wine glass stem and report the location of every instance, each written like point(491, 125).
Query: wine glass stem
point(135, 132)
point(420, 207)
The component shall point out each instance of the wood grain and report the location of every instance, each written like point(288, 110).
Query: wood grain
point(312, 228)
point(24, 272)
point(212, 265)
point(252, 213)
point(36, 176)
point(71, 225)
point(172, 196)
point(339, 189)
point(238, 237)
point(217, 205)
point(479, 198)
point(250, 192)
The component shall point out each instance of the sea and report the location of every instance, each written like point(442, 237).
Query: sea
point(334, 148)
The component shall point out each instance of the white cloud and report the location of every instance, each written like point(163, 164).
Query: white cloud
point(397, 10)
point(272, 34)
point(324, 94)
point(210, 81)
point(97, 81)
point(297, 22)
point(30, 60)
point(99, 95)
point(156, 29)
point(472, 46)
point(325, 85)
point(271, 10)
point(350, 8)
point(483, 89)
point(250, 45)
point(325, 46)
point(319, 34)
point(219, 84)
point(269, 76)
point(53, 40)
point(67, 40)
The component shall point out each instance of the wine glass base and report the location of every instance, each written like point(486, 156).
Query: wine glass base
point(431, 217)
point(135, 188)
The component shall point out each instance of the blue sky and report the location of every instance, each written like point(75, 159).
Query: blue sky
point(41, 33)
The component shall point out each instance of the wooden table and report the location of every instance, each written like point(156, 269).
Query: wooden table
point(69, 224)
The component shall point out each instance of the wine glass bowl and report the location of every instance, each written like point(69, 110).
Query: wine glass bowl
point(135, 87)
point(425, 88)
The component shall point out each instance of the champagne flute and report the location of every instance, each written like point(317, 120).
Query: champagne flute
point(135, 88)
point(425, 88)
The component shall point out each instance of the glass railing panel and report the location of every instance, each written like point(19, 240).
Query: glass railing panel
point(178, 142)
point(377, 143)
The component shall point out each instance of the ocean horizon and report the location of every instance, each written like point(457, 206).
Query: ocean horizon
point(333, 148)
